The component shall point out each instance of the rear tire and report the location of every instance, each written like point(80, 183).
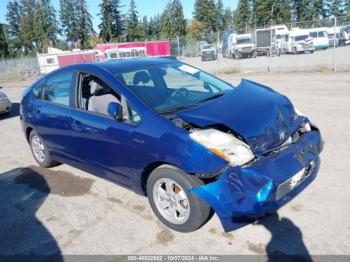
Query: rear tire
point(40, 151)
point(165, 187)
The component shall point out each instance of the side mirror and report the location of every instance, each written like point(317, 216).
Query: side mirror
point(115, 110)
point(1, 87)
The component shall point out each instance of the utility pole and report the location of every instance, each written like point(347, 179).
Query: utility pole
point(334, 42)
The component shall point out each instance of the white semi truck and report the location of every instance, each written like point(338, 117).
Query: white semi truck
point(298, 42)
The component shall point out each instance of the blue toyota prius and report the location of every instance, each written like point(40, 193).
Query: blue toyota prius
point(190, 142)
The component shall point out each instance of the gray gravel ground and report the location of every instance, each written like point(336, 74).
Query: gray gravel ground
point(318, 61)
point(68, 211)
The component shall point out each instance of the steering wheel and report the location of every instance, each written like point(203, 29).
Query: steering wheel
point(181, 92)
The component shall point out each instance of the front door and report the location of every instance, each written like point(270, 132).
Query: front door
point(102, 144)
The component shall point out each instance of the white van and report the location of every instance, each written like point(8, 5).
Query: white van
point(320, 37)
point(282, 37)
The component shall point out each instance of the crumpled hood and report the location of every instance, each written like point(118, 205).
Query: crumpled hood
point(261, 116)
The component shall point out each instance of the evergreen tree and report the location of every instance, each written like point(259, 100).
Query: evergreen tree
point(84, 27)
point(243, 14)
point(267, 12)
point(206, 12)
point(69, 21)
point(28, 36)
point(227, 19)
point(134, 29)
point(281, 11)
point(155, 27)
point(145, 26)
point(338, 7)
point(112, 20)
point(13, 18)
point(45, 24)
point(174, 24)
point(221, 12)
point(4, 48)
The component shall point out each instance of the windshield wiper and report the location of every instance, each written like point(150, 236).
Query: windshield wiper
point(211, 98)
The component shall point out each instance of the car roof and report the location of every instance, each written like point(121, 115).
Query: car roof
point(124, 65)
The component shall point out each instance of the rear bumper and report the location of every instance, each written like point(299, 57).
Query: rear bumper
point(236, 195)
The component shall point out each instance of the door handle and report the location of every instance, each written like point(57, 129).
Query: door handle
point(76, 125)
point(76, 122)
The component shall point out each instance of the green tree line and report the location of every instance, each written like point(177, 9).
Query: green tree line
point(34, 25)
point(260, 13)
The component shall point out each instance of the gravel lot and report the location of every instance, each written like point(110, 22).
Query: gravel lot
point(318, 61)
point(66, 211)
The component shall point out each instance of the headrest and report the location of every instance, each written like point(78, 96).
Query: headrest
point(94, 87)
point(141, 76)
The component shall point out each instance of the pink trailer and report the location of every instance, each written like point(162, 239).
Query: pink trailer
point(153, 48)
point(76, 58)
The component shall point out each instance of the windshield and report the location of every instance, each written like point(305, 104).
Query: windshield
point(301, 37)
point(244, 41)
point(171, 87)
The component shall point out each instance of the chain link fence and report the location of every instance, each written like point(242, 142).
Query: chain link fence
point(317, 45)
point(19, 68)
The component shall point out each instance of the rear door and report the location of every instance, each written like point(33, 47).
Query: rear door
point(52, 112)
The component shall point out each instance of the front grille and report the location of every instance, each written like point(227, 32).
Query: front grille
point(289, 185)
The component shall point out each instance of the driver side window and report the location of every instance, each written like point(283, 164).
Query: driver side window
point(95, 95)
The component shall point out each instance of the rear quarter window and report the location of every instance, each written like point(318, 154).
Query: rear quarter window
point(37, 89)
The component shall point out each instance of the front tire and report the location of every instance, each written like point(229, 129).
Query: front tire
point(168, 191)
point(40, 151)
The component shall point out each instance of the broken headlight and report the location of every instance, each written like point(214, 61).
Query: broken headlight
point(227, 146)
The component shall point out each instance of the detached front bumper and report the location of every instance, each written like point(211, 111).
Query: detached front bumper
point(243, 194)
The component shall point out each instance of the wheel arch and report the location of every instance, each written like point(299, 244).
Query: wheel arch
point(28, 131)
point(147, 171)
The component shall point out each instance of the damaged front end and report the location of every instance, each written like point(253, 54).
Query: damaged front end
point(241, 195)
point(272, 151)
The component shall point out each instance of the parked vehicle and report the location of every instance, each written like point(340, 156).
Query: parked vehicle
point(125, 53)
point(5, 104)
point(299, 41)
point(345, 35)
point(240, 46)
point(186, 139)
point(320, 38)
point(208, 52)
point(281, 37)
point(56, 58)
point(151, 48)
point(333, 36)
point(265, 41)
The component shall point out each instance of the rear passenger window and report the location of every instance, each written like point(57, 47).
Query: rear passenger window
point(57, 88)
